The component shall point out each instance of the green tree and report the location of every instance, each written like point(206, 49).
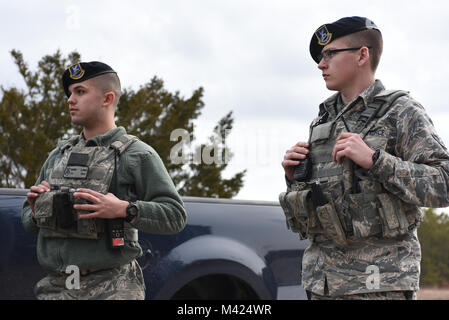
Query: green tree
point(201, 178)
point(434, 238)
point(32, 121)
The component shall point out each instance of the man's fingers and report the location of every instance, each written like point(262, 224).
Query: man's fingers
point(290, 162)
point(46, 184)
point(338, 156)
point(302, 150)
point(86, 195)
point(302, 144)
point(37, 189)
point(345, 135)
point(32, 195)
point(85, 207)
point(89, 191)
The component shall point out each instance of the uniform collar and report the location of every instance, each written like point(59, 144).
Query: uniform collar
point(367, 96)
point(106, 139)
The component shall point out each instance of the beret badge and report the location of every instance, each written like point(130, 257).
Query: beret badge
point(323, 35)
point(76, 71)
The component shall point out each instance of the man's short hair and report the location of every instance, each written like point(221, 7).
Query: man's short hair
point(82, 71)
point(108, 82)
point(367, 38)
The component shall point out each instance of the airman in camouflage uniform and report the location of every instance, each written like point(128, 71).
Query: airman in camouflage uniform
point(375, 159)
point(93, 194)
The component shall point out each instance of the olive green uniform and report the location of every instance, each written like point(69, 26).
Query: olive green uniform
point(141, 177)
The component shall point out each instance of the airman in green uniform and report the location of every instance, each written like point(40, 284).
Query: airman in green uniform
point(93, 194)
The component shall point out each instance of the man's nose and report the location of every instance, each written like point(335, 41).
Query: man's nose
point(70, 99)
point(322, 65)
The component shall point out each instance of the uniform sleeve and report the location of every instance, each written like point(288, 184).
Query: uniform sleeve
point(419, 171)
point(161, 209)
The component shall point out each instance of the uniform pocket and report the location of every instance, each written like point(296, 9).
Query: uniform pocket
point(328, 217)
point(43, 207)
point(394, 220)
point(364, 215)
point(43, 210)
point(321, 132)
point(296, 209)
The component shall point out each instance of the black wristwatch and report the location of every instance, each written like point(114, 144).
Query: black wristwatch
point(376, 156)
point(131, 211)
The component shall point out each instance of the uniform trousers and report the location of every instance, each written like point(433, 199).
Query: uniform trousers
point(122, 283)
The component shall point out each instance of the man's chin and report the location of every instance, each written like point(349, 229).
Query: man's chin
point(331, 87)
point(77, 122)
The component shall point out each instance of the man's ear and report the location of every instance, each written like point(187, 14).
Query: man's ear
point(364, 56)
point(108, 98)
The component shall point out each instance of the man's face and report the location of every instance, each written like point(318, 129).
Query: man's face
point(85, 103)
point(339, 70)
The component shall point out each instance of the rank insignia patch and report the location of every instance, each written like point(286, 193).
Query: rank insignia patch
point(323, 35)
point(76, 71)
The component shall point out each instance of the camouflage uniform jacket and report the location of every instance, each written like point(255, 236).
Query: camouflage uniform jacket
point(413, 165)
point(141, 176)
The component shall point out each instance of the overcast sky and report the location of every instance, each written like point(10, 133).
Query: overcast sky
point(250, 57)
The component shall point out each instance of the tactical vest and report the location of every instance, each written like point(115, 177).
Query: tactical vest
point(79, 166)
point(339, 202)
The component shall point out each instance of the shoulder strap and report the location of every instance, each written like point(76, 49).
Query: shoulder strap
point(388, 96)
point(64, 144)
point(123, 142)
point(376, 109)
point(119, 146)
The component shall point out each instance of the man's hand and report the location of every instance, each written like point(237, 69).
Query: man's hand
point(298, 151)
point(35, 191)
point(106, 206)
point(352, 146)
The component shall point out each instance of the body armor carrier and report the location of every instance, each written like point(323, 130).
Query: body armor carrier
point(339, 202)
point(80, 166)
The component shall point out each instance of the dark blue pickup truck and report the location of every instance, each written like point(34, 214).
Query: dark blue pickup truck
point(230, 249)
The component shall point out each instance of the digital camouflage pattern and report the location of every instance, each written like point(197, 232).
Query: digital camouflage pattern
point(386, 295)
point(98, 177)
point(121, 283)
point(376, 224)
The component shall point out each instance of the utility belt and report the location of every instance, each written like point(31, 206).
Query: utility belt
point(319, 216)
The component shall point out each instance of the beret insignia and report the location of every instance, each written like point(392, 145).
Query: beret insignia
point(76, 71)
point(323, 35)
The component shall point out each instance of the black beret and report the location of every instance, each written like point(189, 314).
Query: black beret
point(82, 71)
point(331, 31)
